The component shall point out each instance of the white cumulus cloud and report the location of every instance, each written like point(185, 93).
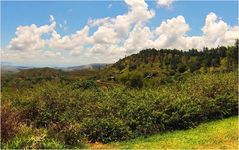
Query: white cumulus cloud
point(29, 38)
point(139, 38)
point(217, 32)
point(164, 3)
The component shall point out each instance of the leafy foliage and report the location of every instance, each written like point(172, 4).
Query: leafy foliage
point(29, 138)
point(106, 115)
point(105, 129)
point(10, 120)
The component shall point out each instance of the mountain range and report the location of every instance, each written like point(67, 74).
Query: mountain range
point(11, 68)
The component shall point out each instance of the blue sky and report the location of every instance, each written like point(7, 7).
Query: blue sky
point(74, 15)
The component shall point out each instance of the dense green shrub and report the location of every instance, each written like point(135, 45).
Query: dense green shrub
point(140, 119)
point(10, 120)
point(71, 113)
point(30, 142)
point(132, 67)
point(182, 68)
point(105, 129)
point(72, 136)
point(29, 138)
point(181, 113)
point(45, 106)
point(123, 78)
point(85, 84)
point(166, 80)
point(219, 107)
point(136, 81)
point(171, 73)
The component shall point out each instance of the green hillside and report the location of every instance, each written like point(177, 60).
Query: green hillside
point(147, 68)
point(160, 64)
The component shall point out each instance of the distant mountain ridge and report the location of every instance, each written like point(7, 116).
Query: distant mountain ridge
point(5, 68)
point(11, 68)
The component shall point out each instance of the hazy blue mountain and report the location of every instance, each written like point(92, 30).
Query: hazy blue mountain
point(7, 67)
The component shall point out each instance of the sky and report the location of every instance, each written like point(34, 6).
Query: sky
point(61, 33)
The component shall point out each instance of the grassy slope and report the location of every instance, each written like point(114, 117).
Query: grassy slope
point(212, 135)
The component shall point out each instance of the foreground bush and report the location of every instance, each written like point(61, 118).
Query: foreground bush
point(71, 113)
point(85, 84)
point(71, 135)
point(10, 120)
point(29, 138)
point(136, 81)
point(105, 129)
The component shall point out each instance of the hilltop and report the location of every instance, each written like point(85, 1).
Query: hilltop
point(161, 64)
point(149, 66)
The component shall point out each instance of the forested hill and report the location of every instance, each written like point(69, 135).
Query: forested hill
point(158, 65)
point(215, 59)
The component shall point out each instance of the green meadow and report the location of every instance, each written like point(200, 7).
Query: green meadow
point(221, 134)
